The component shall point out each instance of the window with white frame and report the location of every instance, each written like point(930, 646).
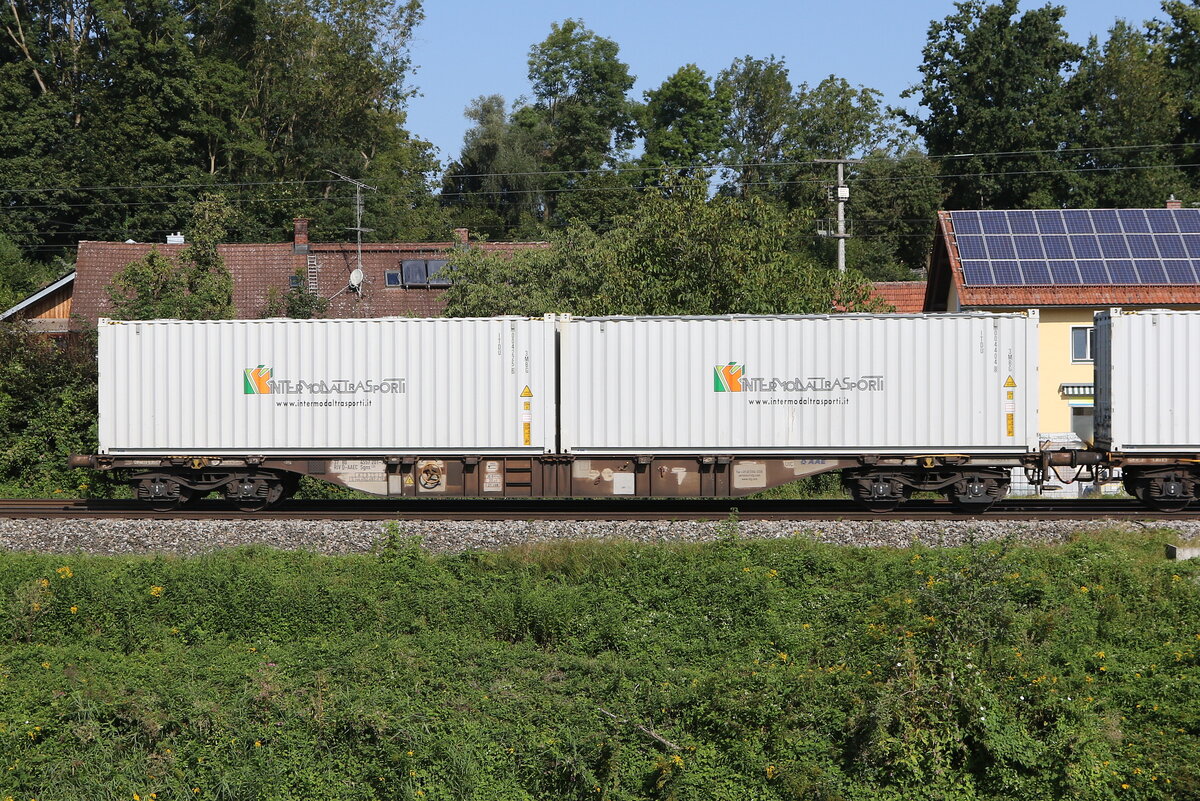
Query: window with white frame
point(1083, 341)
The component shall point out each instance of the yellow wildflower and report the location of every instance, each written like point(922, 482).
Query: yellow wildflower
point(156, 591)
point(43, 583)
point(64, 572)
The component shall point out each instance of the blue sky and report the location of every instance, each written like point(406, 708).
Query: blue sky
point(467, 48)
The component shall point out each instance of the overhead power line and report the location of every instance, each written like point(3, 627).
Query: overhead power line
point(605, 170)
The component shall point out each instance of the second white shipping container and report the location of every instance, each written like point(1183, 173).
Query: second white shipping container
point(837, 384)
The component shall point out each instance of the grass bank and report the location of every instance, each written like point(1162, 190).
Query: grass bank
point(735, 670)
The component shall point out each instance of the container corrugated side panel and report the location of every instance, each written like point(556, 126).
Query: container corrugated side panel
point(179, 387)
point(651, 384)
point(1151, 383)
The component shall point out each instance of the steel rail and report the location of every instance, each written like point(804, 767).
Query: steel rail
point(510, 509)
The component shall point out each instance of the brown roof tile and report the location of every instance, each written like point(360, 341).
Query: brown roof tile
point(908, 297)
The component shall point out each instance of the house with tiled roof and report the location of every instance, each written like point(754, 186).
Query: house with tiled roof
point(1068, 264)
point(399, 279)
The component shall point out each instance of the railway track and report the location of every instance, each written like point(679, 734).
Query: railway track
point(509, 509)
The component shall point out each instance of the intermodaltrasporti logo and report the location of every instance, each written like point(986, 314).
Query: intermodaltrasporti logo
point(260, 380)
point(731, 377)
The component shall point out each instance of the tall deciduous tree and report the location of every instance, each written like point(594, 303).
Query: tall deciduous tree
point(994, 84)
point(684, 120)
point(1130, 109)
point(497, 179)
point(762, 111)
point(893, 206)
point(579, 91)
point(1180, 36)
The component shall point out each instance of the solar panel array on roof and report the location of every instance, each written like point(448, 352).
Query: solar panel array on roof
point(1079, 246)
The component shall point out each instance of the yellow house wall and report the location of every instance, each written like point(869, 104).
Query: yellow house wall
point(1055, 367)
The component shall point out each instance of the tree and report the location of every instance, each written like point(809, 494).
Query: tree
point(994, 85)
point(19, 276)
point(197, 286)
point(579, 91)
point(148, 104)
point(47, 412)
point(1129, 110)
point(1180, 37)
point(762, 112)
point(300, 302)
point(680, 252)
point(498, 170)
point(684, 120)
point(893, 208)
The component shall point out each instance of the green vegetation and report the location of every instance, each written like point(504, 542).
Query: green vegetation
point(679, 252)
point(47, 412)
point(198, 287)
point(738, 669)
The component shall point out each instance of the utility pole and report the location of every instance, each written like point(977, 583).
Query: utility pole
point(840, 194)
point(359, 186)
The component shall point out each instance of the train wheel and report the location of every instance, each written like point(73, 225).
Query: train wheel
point(163, 494)
point(975, 493)
point(878, 493)
point(254, 494)
point(1160, 493)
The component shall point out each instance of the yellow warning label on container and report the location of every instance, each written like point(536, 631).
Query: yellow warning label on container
point(527, 405)
point(528, 438)
point(1010, 382)
point(525, 393)
point(1009, 423)
point(1010, 394)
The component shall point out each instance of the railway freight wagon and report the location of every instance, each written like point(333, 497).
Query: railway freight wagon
point(561, 406)
point(1147, 415)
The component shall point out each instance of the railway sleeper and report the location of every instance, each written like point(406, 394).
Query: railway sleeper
point(882, 490)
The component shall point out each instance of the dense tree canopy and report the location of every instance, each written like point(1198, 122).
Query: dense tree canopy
point(995, 86)
point(114, 118)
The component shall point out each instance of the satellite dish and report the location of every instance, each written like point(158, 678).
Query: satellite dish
point(356, 279)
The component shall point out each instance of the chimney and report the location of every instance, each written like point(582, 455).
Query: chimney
point(175, 239)
point(1172, 203)
point(460, 236)
point(300, 242)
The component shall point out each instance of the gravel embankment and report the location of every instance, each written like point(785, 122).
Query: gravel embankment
point(186, 537)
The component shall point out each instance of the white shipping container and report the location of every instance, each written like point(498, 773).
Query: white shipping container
point(324, 387)
point(887, 384)
point(1148, 381)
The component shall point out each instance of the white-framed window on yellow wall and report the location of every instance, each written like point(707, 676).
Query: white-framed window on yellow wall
point(1083, 340)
